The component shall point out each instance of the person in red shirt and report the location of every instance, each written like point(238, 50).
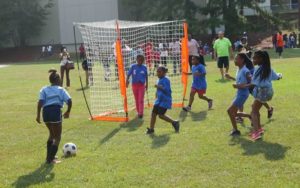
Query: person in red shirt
point(148, 48)
point(279, 44)
point(82, 52)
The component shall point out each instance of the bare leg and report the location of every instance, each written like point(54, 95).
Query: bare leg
point(153, 120)
point(267, 106)
point(204, 98)
point(191, 99)
point(255, 116)
point(166, 118)
point(232, 111)
point(226, 69)
point(222, 72)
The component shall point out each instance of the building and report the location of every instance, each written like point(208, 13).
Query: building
point(59, 25)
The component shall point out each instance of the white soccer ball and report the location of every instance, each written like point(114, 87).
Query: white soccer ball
point(69, 149)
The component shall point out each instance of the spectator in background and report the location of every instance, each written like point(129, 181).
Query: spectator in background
point(274, 40)
point(43, 53)
point(279, 44)
point(223, 49)
point(49, 49)
point(286, 41)
point(82, 52)
point(193, 49)
point(292, 40)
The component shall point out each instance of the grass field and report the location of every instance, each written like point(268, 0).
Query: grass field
point(121, 155)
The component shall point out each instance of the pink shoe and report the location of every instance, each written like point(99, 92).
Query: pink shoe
point(255, 135)
point(261, 131)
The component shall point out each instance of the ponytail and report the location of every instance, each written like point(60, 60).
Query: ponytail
point(54, 78)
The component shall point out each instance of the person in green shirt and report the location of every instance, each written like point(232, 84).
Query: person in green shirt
point(222, 49)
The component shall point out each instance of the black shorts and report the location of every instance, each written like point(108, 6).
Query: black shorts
point(159, 110)
point(52, 114)
point(223, 62)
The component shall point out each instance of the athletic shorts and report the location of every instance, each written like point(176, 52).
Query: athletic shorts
point(52, 114)
point(199, 91)
point(240, 100)
point(223, 62)
point(263, 94)
point(159, 110)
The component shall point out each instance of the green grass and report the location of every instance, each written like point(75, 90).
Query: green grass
point(121, 155)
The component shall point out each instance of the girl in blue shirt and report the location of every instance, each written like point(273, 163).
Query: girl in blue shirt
point(262, 88)
point(163, 101)
point(139, 74)
point(243, 77)
point(51, 100)
point(199, 84)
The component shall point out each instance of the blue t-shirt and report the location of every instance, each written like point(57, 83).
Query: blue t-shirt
point(138, 72)
point(164, 96)
point(266, 82)
point(199, 82)
point(241, 78)
point(53, 95)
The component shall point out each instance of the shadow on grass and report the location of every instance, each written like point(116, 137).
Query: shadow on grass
point(271, 151)
point(41, 175)
point(130, 126)
point(159, 141)
point(222, 80)
point(196, 116)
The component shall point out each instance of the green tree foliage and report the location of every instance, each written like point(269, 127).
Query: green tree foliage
point(23, 19)
point(218, 12)
point(162, 10)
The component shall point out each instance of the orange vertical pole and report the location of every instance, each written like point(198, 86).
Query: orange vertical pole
point(184, 59)
point(121, 71)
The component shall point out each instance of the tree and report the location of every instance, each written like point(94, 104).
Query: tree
point(24, 19)
point(230, 13)
point(163, 10)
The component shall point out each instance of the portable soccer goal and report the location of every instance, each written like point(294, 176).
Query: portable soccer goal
point(111, 48)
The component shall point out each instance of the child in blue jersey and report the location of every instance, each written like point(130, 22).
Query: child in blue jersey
point(51, 100)
point(139, 74)
point(163, 101)
point(262, 88)
point(199, 84)
point(243, 76)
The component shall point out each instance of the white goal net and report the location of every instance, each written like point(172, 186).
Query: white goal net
point(112, 46)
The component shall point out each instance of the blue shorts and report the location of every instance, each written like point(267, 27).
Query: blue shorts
point(52, 114)
point(240, 100)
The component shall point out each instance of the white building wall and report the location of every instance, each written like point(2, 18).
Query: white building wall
point(83, 11)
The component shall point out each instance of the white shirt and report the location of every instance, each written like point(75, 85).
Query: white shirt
point(163, 51)
point(49, 48)
point(193, 47)
point(175, 47)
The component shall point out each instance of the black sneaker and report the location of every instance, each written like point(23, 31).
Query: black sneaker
point(176, 126)
point(235, 133)
point(149, 131)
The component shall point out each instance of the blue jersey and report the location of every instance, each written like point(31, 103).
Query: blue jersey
point(139, 73)
point(266, 82)
point(199, 82)
point(241, 78)
point(54, 95)
point(164, 95)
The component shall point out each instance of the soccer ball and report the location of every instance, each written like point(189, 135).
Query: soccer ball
point(69, 149)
